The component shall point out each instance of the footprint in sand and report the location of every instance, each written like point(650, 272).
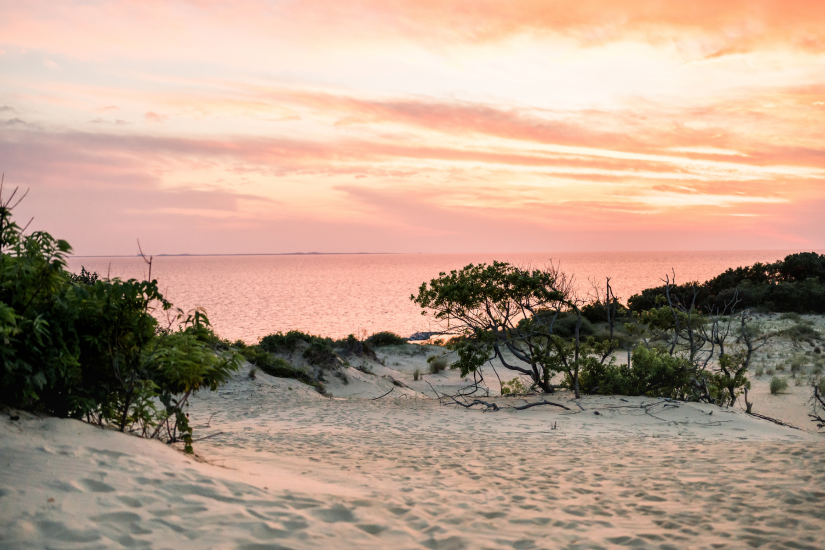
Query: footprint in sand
point(97, 486)
point(335, 514)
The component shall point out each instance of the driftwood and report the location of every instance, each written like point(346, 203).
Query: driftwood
point(774, 420)
point(385, 395)
point(541, 403)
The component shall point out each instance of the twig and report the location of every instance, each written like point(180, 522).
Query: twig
point(489, 406)
point(207, 437)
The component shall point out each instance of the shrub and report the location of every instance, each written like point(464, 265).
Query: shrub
point(353, 346)
point(565, 325)
point(385, 338)
point(801, 331)
point(769, 371)
point(778, 385)
point(84, 277)
point(798, 362)
point(285, 343)
point(437, 363)
point(81, 347)
point(320, 353)
point(515, 387)
point(653, 373)
point(759, 371)
point(416, 374)
point(791, 316)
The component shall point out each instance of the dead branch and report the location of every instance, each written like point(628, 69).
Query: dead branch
point(527, 406)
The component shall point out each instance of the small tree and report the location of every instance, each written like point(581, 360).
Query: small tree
point(698, 338)
point(498, 308)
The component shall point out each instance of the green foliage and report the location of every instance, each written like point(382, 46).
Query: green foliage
point(385, 338)
point(320, 353)
point(276, 366)
point(515, 387)
point(795, 284)
point(652, 373)
point(724, 386)
point(416, 374)
point(778, 385)
point(596, 312)
point(78, 346)
point(496, 308)
point(286, 343)
point(565, 326)
point(353, 346)
point(84, 277)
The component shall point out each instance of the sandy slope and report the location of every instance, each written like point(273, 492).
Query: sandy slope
point(296, 470)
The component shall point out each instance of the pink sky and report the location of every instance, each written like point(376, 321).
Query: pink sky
point(416, 126)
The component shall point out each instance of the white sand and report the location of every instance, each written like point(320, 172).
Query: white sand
point(296, 470)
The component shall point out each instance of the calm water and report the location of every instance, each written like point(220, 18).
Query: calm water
point(247, 297)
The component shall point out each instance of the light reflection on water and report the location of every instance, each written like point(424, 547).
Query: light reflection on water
point(247, 297)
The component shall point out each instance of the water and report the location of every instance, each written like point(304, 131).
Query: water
point(247, 297)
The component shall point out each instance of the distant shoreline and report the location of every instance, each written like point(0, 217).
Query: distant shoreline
point(780, 250)
point(250, 254)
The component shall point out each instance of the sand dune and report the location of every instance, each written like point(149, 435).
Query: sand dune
point(293, 469)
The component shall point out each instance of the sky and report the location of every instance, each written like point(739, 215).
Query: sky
point(259, 126)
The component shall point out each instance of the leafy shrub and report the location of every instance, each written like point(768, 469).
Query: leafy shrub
point(652, 373)
point(778, 385)
point(81, 347)
point(285, 343)
point(353, 346)
point(320, 353)
point(795, 285)
point(275, 366)
point(385, 338)
point(565, 324)
point(84, 277)
point(596, 312)
point(515, 387)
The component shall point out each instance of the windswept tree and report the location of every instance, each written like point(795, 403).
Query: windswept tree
point(508, 314)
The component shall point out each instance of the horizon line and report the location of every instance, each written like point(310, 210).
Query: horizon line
point(815, 250)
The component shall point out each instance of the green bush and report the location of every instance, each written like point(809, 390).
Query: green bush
point(320, 353)
point(652, 373)
point(778, 385)
point(794, 285)
point(565, 324)
point(353, 346)
point(77, 346)
point(286, 343)
point(385, 338)
point(276, 366)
